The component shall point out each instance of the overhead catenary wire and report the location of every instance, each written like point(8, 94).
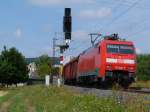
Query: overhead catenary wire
point(77, 48)
point(131, 6)
point(127, 3)
point(120, 2)
point(140, 31)
point(140, 26)
point(139, 6)
point(141, 23)
point(121, 14)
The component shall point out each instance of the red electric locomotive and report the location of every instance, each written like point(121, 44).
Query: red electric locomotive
point(110, 61)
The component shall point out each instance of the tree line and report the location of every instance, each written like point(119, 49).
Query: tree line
point(14, 70)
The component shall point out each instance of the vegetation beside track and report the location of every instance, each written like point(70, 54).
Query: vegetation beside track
point(143, 67)
point(141, 84)
point(53, 99)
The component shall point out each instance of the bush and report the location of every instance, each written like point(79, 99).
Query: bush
point(143, 67)
point(13, 67)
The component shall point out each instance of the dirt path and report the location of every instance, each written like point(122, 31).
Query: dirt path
point(4, 106)
point(2, 93)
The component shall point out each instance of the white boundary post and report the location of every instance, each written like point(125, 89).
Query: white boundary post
point(47, 79)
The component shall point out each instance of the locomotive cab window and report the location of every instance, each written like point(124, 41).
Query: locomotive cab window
point(112, 48)
point(122, 49)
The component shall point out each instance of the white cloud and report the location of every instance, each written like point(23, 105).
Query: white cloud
point(18, 32)
point(58, 2)
point(95, 14)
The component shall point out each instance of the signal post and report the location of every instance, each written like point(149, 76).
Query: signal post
point(67, 29)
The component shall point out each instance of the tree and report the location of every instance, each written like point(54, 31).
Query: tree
point(143, 67)
point(55, 70)
point(13, 67)
point(44, 65)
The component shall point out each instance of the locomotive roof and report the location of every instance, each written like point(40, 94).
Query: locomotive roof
point(108, 41)
point(118, 42)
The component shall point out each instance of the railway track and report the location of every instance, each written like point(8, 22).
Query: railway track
point(138, 90)
point(129, 90)
point(120, 96)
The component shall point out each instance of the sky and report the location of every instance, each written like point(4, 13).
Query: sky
point(30, 25)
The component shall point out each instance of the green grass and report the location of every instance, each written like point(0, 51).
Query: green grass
point(52, 99)
point(142, 84)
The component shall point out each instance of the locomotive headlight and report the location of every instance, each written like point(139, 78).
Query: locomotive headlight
point(111, 60)
point(128, 61)
point(125, 61)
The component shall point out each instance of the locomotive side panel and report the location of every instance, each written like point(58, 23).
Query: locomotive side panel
point(103, 60)
point(89, 62)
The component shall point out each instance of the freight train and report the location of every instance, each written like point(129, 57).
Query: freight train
point(111, 61)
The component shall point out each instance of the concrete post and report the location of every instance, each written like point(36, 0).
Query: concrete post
point(47, 80)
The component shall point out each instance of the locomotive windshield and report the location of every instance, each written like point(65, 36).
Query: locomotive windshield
point(122, 49)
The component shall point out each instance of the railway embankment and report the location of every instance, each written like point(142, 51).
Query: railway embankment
point(70, 99)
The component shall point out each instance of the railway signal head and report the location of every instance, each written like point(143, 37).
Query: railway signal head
point(67, 24)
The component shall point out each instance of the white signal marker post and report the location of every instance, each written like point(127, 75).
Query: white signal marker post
point(47, 80)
